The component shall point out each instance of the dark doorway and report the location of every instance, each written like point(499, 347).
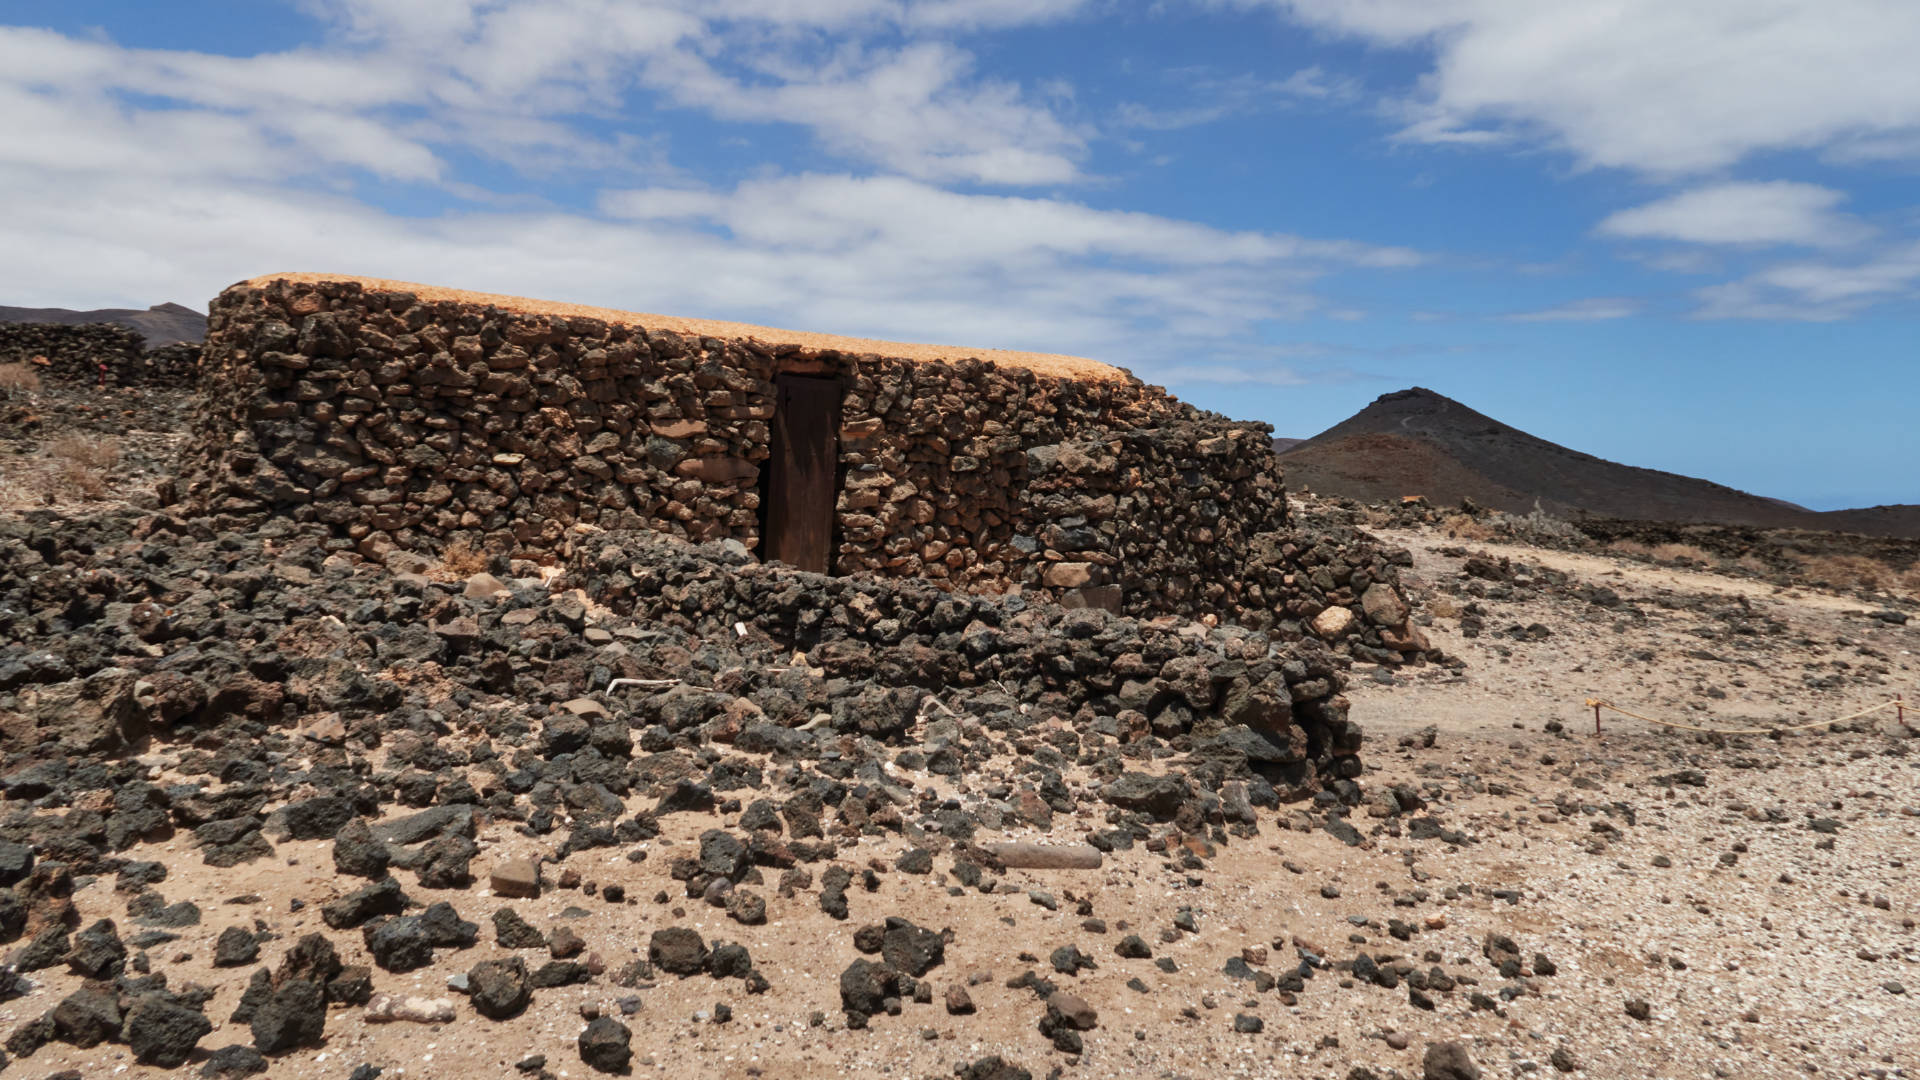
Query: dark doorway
point(802, 479)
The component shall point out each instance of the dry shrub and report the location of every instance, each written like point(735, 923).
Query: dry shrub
point(1443, 607)
point(18, 377)
point(1631, 548)
point(1850, 573)
point(78, 466)
point(71, 478)
point(98, 454)
point(462, 559)
point(1465, 527)
point(1680, 553)
point(1753, 564)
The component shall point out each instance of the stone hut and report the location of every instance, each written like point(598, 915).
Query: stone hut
point(405, 416)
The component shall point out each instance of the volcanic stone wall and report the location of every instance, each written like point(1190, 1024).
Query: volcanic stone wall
point(76, 353)
point(403, 422)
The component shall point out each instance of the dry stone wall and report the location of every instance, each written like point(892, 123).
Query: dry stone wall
point(404, 422)
point(78, 353)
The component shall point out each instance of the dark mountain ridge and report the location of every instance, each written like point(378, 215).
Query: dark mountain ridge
point(161, 324)
point(1418, 442)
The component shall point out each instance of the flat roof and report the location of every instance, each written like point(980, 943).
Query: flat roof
point(1050, 364)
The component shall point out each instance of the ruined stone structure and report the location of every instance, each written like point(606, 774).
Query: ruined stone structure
point(405, 417)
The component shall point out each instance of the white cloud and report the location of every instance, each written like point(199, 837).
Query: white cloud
point(841, 213)
point(1203, 97)
point(1814, 290)
point(1679, 261)
point(1655, 85)
point(915, 110)
point(1776, 212)
point(402, 81)
point(890, 258)
point(169, 174)
point(1230, 375)
point(1594, 309)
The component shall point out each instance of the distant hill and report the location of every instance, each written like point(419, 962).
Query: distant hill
point(161, 324)
point(1282, 445)
point(1417, 442)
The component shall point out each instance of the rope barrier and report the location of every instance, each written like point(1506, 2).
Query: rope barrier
point(1898, 704)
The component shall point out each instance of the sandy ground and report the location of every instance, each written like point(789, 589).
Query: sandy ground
point(1761, 947)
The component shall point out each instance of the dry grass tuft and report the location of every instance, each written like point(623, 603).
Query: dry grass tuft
point(1464, 527)
point(76, 466)
point(70, 478)
point(99, 454)
point(20, 377)
point(1681, 553)
point(462, 559)
point(1852, 573)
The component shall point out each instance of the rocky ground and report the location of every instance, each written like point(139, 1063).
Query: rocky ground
point(272, 809)
point(80, 447)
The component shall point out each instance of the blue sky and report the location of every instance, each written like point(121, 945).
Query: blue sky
point(1679, 235)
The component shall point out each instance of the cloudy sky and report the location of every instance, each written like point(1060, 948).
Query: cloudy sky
point(1679, 234)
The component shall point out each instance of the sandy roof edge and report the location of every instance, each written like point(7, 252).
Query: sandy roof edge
point(1051, 364)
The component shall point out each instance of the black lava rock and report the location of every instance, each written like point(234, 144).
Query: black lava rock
point(606, 1045)
point(162, 1032)
point(677, 950)
point(295, 1016)
point(498, 988)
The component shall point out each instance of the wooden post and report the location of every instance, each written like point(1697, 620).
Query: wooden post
point(1596, 718)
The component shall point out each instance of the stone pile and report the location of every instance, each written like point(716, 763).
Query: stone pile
point(1231, 691)
point(651, 678)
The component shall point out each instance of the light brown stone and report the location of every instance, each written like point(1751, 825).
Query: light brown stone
point(1384, 605)
point(1408, 638)
point(717, 470)
point(1070, 575)
point(679, 429)
point(1333, 623)
point(388, 1008)
point(1030, 856)
point(515, 878)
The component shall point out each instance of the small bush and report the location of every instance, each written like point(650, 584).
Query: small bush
point(1850, 573)
point(19, 377)
point(1465, 527)
point(98, 454)
point(71, 478)
point(1681, 553)
point(75, 466)
point(1539, 525)
point(462, 559)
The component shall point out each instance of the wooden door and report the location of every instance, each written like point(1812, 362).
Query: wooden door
point(802, 475)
